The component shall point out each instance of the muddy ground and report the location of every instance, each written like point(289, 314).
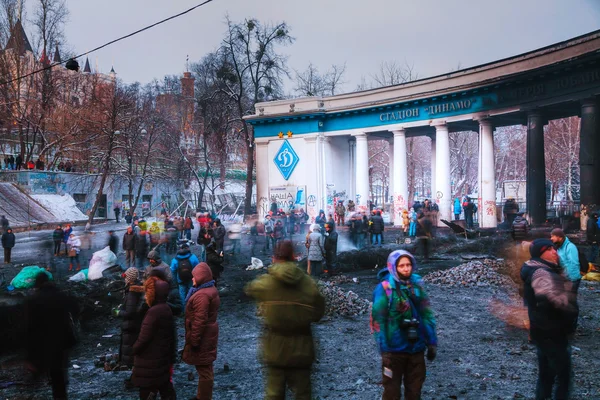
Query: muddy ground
point(479, 356)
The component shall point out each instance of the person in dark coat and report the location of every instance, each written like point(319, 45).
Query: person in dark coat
point(142, 246)
point(202, 329)
point(113, 242)
point(511, 209)
point(520, 228)
point(469, 208)
point(8, 242)
point(321, 220)
point(219, 234)
point(214, 261)
point(156, 346)
point(117, 211)
point(129, 247)
point(128, 218)
point(424, 233)
point(57, 238)
point(376, 227)
point(160, 269)
point(131, 314)
point(67, 230)
point(50, 316)
point(4, 223)
point(331, 239)
point(19, 162)
point(552, 309)
point(593, 237)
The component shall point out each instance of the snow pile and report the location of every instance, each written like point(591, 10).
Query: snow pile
point(339, 302)
point(473, 273)
point(62, 207)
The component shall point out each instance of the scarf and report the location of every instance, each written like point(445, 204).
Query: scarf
point(194, 289)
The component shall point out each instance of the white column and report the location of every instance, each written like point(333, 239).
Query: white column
point(262, 178)
point(352, 168)
point(362, 170)
point(487, 176)
point(390, 178)
point(433, 172)
point(400, 184)
point(442, 173)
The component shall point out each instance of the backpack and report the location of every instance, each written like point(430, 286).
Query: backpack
point(583, 261)
point(185, 270)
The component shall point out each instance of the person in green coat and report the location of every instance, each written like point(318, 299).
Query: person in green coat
point(290, 302)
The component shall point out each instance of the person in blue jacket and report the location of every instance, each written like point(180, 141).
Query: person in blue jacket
point(181, 268)
point(457, 209)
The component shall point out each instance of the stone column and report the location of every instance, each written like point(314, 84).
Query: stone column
point(487, 176)
point(536, 169)
point(433, 187)
point(589, 156)
point(262, 178)
point(442, 173)
point(352, 168)
point(362, 169)
point(400, 182)
point(390, 179)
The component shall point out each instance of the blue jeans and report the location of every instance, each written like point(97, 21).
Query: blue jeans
point(412, 229)
point(376, 238)
point(188, 234)
point(202, 253)
point(184, 288)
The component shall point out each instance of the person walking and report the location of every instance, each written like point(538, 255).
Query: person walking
point(593, 237)
point(291, 303)
point(202, 329)
point(330, 246)
point(315, 244)
point(8, 242)
point(49, 316)
point(4, 223)
point(131, 314)
point(113, 242)
point(552, 308)
point(377, 226)
point(181, 268)
point(129, 247)
point(404, 327)
point(117, 211)
point(74, 244)
point(57, 238)
point(457, 209)
point(156, 346)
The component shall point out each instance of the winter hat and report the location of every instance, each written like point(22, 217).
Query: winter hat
point(393, 259)
point(202, 273)
point(131, 275)
point(539, 246)
point(557, 232)
point(315, 228)
point(154, 255)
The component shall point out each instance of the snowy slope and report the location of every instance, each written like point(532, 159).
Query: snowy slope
point(62, 207)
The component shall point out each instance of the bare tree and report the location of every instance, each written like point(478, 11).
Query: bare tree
point(464, 153)
point(312, 83)
point(393, 73)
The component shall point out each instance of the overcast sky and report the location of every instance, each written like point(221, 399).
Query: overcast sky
point(433, 35)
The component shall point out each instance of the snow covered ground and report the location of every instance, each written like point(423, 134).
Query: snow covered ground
point(63, 207)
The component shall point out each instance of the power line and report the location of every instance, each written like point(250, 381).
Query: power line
point(109, 43)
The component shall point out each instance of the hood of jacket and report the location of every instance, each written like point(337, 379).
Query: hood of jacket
point(202, 274)
point(393, 258)
point(157, 291)
point(183, 253)
point(286, 272)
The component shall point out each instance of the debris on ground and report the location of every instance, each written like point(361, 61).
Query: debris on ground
point(256, 263)
point(340, 302)
point(473, 273)
point(339, 279)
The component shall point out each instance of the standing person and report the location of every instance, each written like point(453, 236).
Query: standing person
point(8, 242)
point(331, 239)
point(74, 244)
point(188, 226)
point(405, 222)
point(412, 231)
point(49, 316)
point(321, 220)
point(214, 261)
point(520, 228)
point(181, 268)
point(356, 230)
point(117, 211)
point(4, 223)
point(377, 227)
point(593, 237)
point(469, 209)
point(113, 242)
point(330, 221)
point(552, 309)
point(202, 329)
point(131, 314)
point(57, 238)
point(269, 238)
point(291, 302)
point(278, 233)
point(511, 209)
point(568, 257)
point(158, 268)
point(11, 161)
point(219, 235)
point(301, 219)
point(203, 240)
point(235, 236)
point(142, 246)
point(457, 209)
point(156, 347)
point(19, 162)
point(340, 212)
point(67, 234)
point(128, 218)
point(316, 252)
point(424, 233)
point(253, 238)
point(129, 247)
point(404, 327)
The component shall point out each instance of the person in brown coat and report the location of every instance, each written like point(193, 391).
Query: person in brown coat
point(202, 328)
point(155, 349)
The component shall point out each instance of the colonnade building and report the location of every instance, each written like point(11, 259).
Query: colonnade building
point(306, 146)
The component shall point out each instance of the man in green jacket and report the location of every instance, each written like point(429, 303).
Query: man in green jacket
point(290, 302)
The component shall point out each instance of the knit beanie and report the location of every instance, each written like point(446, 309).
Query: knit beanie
point(154, 255)
point(131, 275)
point(539, 246)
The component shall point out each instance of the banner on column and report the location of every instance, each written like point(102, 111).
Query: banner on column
point(288, 197)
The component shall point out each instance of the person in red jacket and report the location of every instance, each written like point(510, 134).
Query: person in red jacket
point(202, 328)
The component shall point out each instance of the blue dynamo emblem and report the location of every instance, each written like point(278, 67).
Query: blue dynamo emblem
point(286, 160)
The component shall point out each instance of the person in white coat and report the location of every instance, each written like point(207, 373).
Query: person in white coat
point(235, 235)
point(74, 244)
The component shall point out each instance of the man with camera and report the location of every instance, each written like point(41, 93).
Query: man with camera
point(404, 327)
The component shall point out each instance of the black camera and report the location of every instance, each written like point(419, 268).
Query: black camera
point(411, 326)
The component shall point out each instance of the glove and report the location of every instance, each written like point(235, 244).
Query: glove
point(115, 312)
point(431, 352)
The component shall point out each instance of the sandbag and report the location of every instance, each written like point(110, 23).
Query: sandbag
point(25, 279)
point(81, 276)
point(100, 261)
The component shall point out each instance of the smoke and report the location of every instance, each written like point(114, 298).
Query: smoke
point(344, 243)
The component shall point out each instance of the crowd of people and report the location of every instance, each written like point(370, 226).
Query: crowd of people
point(16, 163)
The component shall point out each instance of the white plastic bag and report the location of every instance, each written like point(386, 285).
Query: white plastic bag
point(256, 264)
point(81, 276)
point(100, 261)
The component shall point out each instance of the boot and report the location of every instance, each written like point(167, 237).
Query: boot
point(70, 267)
point(205, 390)
point(78, 267)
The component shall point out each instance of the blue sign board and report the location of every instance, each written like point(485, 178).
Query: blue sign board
point(286, 160)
